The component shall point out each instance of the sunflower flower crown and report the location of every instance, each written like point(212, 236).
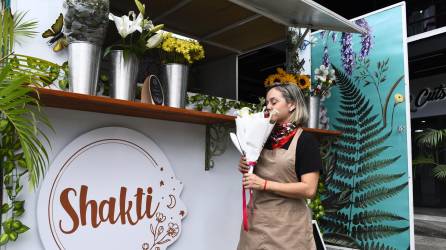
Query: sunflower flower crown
point(282, 77)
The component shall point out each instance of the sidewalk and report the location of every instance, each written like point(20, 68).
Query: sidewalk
point(430, 229)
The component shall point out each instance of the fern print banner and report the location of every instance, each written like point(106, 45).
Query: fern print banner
point(366, 177)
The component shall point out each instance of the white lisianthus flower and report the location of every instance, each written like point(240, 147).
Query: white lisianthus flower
point(245, 111)
point(125, 26)
point(331, 75)
point(321, 73)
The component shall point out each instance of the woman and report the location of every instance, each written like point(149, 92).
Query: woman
point(286, 174)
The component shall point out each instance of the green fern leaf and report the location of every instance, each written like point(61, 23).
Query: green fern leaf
point(344, 148)
point(368, 167)
point(337, 200)
point(375, 232)
point(340, 185)
point(374, 196)
point(372, 153)
point(375, 216)
point(348, 138)
point(332, 226)
point(370, 139)
point(345, 159)
point(376, 180)
point(347, 121)
point(348, 114)
point(337, 216)
point(366, 128)
point(342, 240)
point(344, 172)
point(364, 115)
point(376, 246)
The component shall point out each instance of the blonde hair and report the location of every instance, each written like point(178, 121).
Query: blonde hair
point(293, 94)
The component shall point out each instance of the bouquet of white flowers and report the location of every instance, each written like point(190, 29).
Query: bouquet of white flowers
point(252, 131)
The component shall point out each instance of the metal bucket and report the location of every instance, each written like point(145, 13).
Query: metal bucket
point(176, 76)
point(83, 62)
point(123, 75)
point(314, 107)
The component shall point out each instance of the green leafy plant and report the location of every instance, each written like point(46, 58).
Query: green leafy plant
point(39, 71)
point(220, 105)
point(318, 210)
point(431, 140)
point(22, 152)
point(13, 27)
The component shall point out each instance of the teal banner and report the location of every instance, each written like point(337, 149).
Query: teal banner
point(367, 198)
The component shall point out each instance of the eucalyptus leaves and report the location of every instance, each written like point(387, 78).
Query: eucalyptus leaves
point(220, 105)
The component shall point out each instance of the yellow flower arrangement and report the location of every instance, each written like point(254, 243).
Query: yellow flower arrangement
point(280, 77)
point(178, 50)
point(302, 81)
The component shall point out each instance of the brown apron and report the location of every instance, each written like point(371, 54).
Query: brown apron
point(277, 222)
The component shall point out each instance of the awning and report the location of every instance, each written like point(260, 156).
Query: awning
point(238, 26)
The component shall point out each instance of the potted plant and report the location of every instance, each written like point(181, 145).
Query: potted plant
point(85, 24)
point(138, 34)
point(324, 80)
point(176, 56)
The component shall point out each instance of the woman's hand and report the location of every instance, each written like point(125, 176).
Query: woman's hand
point(243, 165)
point(253, 181)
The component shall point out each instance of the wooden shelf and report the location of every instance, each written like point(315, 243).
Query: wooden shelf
point(99, 104)
point(68, 100)
point(323, 132)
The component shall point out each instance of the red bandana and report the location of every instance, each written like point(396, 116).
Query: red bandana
point(281, 134)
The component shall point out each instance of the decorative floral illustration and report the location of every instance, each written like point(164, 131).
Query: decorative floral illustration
point(352, 176)
point(159, 235)
point(362, 169)
point(366, 39)
point(347, 54)
point(399, 98)
point(325, 59)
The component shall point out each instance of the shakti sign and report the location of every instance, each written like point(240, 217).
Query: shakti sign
point(111, 188)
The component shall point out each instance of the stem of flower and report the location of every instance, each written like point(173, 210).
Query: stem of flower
point(393, 111)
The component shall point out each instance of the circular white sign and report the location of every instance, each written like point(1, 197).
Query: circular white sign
point(111, 188)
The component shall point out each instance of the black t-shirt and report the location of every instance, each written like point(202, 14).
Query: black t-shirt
point(308, 157)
